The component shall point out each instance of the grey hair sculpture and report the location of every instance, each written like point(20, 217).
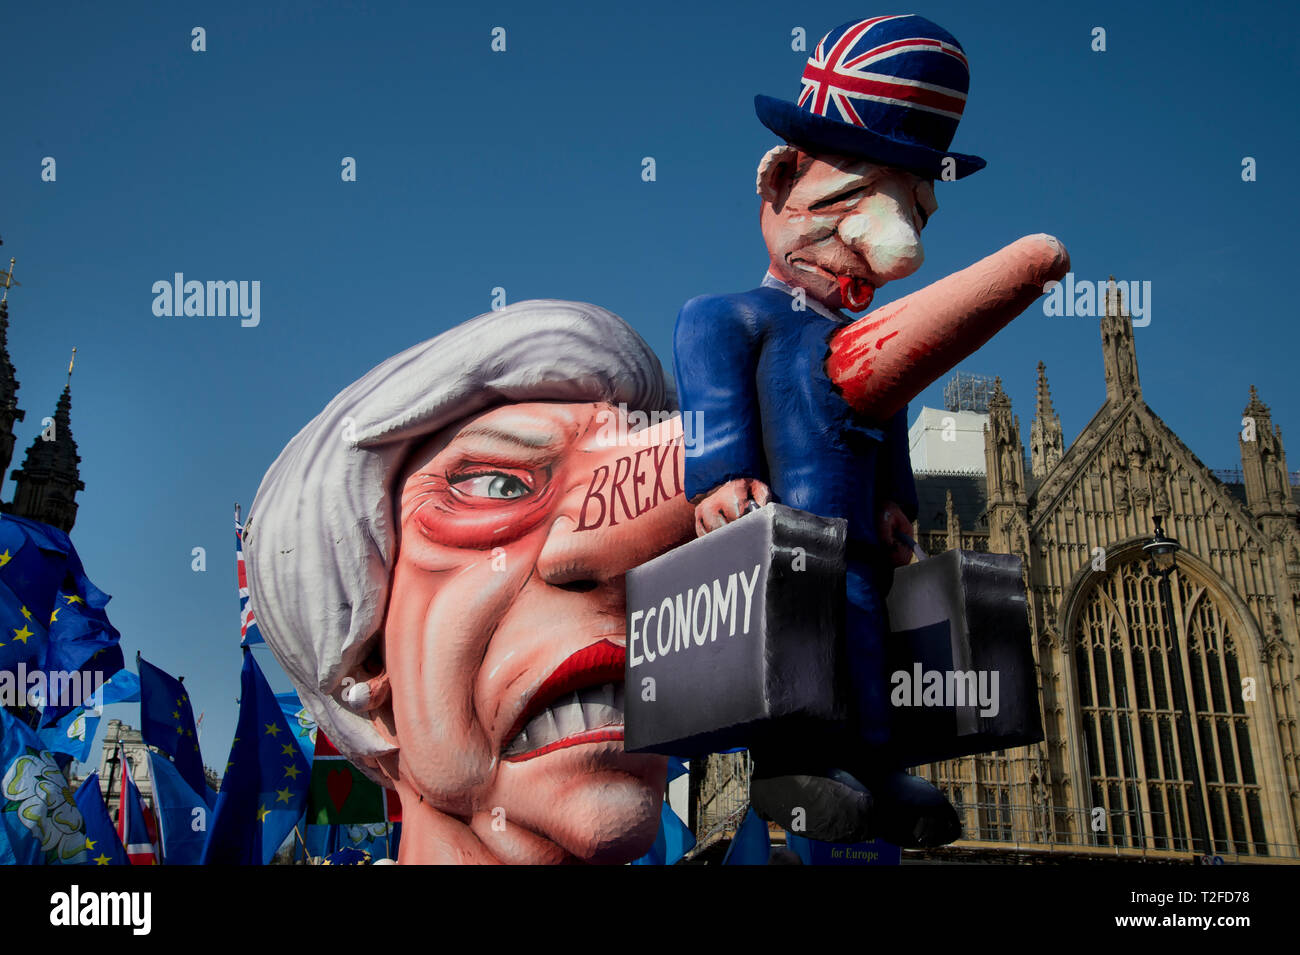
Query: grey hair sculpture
point(320, 538)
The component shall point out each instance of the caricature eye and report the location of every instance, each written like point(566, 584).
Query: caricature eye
point(837, 199)
point(492, 484)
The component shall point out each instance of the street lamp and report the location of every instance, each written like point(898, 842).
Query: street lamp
point(1162, 555)
point(1161, 551)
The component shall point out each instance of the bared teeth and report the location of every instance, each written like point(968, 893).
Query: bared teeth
point(568, 716)
point(586, 709)
point(608, 700)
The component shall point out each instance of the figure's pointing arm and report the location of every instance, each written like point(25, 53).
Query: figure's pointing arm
point(889, 356)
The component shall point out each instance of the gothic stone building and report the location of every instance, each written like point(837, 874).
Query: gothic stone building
point(46, 486)
point(1123, 770)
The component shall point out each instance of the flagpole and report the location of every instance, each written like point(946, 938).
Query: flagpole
point(121, 797)
point(161, 858)
point(111, 772)
point(303, 842)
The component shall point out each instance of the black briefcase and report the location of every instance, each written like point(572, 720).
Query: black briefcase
point(735, 633)
point(961, 664)
point(736, 639)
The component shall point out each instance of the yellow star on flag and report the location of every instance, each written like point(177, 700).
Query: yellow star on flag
point(90, 843)
point(176, 714)
point(272, 729)
point(262, 813)
point(102, 859)
point(73, 599)
point(5, 558)
point(54, 615)
point(292, 771)
point(22, 634)
point(27, 613)
point(283, 795)
point(286, 749)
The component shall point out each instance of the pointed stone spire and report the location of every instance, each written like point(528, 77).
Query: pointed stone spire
point(9, 410)
point(1045, 439)
point(954, 524)
point(1263, 461)
point(1003, 450)
point(1118, 351)
point(47, 484)
point(1004, 455)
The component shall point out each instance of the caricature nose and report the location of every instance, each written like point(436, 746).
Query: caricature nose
point(625, 506)
point(882, 230)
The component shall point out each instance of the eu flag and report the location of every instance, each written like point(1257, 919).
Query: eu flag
point(751, 845)
point(122, 687)
point(304, 727)
point(264, 791)
point(182, 813)
point(73, 735)
point(103, 847)
point(871, 852)
point(33, 558)
point(675, 839)
point(52, 617)
point(39, 818)
point(81, 640)
point(167, 721)
point(379, 839)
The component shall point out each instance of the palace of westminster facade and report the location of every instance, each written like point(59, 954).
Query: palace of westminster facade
point(1122, 771)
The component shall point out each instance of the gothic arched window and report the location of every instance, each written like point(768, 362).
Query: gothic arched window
point(1125, 662)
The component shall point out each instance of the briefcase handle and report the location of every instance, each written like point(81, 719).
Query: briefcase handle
point(916, 548)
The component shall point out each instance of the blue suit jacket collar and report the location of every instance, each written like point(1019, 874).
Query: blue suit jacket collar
point(835, 315)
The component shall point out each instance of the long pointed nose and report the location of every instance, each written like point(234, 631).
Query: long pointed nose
point(883, 231)
point(625, 505)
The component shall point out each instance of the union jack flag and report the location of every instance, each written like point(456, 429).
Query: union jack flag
point(848, 70)
point(248, 632)
point(135, 823)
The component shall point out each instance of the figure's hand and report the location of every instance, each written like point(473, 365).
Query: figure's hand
point(726, 502)
point(891, 519)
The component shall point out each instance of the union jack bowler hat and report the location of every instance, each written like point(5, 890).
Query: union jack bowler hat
point(888, 89)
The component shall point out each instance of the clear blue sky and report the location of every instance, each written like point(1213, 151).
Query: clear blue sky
point(522, 170)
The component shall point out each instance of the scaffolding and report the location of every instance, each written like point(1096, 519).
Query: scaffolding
point(967, 392)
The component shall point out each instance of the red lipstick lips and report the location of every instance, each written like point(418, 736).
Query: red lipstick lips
point(593, 666)
point(855, 293)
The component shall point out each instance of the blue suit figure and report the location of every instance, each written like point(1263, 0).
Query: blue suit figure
point(754, 367)
point(844, 203)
